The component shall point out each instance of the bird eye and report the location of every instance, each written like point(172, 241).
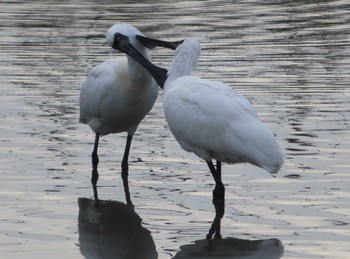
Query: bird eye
point(117, 36)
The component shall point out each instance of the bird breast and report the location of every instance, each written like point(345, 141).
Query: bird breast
point(110, 102)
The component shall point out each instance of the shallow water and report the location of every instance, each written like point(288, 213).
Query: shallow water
point(291, 59)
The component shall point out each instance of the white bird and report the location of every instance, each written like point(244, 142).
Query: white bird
point(118, 93)
point(214, 121)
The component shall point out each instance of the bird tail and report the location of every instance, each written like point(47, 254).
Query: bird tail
point(275, 162)
point(273, 169)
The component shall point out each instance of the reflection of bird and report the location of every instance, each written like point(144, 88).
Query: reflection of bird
point(113, 230)
point(214, 121)
point(232, 248)
point(118, 93)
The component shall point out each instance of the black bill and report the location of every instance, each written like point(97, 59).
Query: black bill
point(152, 43)
point(122, 43)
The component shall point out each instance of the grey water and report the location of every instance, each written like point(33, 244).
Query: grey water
point(291, 59)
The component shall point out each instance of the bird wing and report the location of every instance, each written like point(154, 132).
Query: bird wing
point(214, 121)
point(96, 89)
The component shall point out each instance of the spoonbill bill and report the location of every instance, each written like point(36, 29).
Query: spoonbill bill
point(118, 93)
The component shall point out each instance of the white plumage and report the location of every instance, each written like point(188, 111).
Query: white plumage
point(112, 101)
point(214, 121)
point(118, 93)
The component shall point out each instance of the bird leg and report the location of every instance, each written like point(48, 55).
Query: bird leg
point(94, 175)
point(219, 190)
point(125, 169)
point(218, 200)
point(216, 225)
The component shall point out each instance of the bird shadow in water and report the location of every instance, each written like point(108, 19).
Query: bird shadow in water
point(230, 247)
point(113, 230)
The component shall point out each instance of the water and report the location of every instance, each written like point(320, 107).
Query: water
point(291, 59)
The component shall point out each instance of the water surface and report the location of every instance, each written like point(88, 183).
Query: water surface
point(291, 59)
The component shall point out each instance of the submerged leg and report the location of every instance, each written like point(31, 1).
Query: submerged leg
point(219, 191)
point(125, 169)
point(94, 175)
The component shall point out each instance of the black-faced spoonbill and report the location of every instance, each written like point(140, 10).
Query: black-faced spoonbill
point(214, 121)
point(118, 93)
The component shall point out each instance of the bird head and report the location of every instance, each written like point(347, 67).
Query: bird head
point(135, 37)
point(132, 42)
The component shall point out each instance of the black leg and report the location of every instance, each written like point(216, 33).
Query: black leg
point(218, 168)
point(219, 191)
point(218, 200)
point(216, 225)
point(125, 169)
point(94, 175)
point(219, 213)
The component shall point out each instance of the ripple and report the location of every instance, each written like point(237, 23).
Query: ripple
point(289, 58)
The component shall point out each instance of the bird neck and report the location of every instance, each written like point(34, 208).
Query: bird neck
point(185, 60)
point(136, 71)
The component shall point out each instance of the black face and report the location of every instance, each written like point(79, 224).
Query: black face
point(118, 39)
point(122, 43)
